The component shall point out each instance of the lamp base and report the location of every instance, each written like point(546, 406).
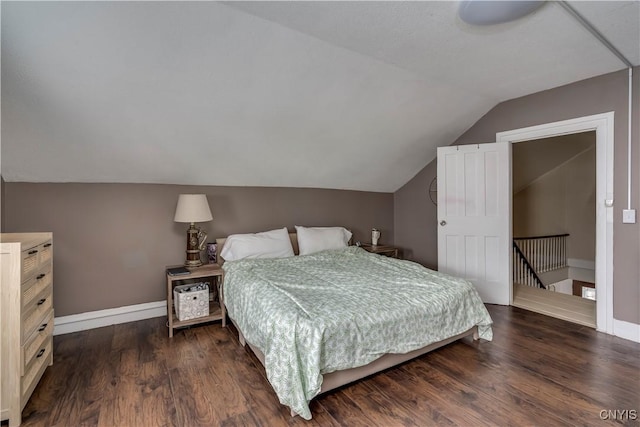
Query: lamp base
point(193, 249)
point(192, 263)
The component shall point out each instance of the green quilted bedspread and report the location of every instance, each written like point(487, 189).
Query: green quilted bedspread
point(332, 310)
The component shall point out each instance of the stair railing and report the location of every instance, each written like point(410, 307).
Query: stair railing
point(523, 272)
point(544, 253)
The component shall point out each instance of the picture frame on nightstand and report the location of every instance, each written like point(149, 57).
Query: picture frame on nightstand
point(212, 253)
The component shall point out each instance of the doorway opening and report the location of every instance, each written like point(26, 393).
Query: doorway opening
point(554, 226)
point(602, 125)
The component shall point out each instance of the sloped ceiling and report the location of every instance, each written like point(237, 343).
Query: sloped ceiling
point(533, 159)
point(347, 95)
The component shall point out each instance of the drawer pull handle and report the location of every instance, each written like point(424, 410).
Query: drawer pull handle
point(46, 245)
point(42, 301)
point(35, 251)
point(40, 353)
point(40, 276)
point(42, 327)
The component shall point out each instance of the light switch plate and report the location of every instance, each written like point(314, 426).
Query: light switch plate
point(629, 216)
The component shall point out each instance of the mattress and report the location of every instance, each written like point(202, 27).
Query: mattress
point(333, 310)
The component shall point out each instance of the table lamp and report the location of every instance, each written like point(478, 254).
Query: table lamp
point(193, 208)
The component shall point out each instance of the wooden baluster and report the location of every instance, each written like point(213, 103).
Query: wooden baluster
point(560, 262)
point(545, 253)
point(515, 266)
point(517, 262)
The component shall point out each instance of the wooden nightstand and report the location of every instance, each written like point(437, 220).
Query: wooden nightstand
point(390, 251)
point(216, 307)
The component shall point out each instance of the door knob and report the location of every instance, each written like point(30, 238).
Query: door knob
point(443, 223)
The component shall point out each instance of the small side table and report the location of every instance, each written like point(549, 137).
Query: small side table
point(390, 251)
point(216, 308)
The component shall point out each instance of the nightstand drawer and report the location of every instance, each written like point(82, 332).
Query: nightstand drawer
point(37, 341)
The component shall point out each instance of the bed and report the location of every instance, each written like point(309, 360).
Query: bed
point(322, 320)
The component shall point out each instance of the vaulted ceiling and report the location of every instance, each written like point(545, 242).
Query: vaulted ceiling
point(348, 95)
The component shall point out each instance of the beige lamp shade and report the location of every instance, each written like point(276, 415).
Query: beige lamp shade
point(193, 208)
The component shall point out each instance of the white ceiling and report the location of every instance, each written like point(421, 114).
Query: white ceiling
point(348, 95)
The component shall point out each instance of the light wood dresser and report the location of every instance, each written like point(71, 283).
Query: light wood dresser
point(26, 318)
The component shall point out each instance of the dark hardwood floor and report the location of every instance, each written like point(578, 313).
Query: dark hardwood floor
point(537, 371)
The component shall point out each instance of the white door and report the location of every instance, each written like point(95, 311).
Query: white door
point(474, 217)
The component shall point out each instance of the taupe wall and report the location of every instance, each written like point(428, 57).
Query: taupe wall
point(415, 219)
point(1, 204)
point(112, 241)
point(561, 201)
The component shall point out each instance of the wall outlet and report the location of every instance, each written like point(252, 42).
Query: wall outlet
point(629, 216)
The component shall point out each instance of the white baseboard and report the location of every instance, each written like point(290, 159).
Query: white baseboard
point(110, 316)
point(132, 313)
point(581, 263)
point(627, 330)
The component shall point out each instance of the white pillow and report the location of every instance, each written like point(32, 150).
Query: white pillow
point(267, 244)
point(316, 239)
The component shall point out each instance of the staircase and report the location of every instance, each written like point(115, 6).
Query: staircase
point(533, 256)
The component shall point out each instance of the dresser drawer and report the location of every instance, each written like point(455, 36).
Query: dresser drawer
point(46, 253)
point(34, 258)
point(30, 262)
point(37, 341)
point(35, 285)
point(34, 370)
point(35, 312)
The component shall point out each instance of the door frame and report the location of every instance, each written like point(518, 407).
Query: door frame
point(602, 124)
